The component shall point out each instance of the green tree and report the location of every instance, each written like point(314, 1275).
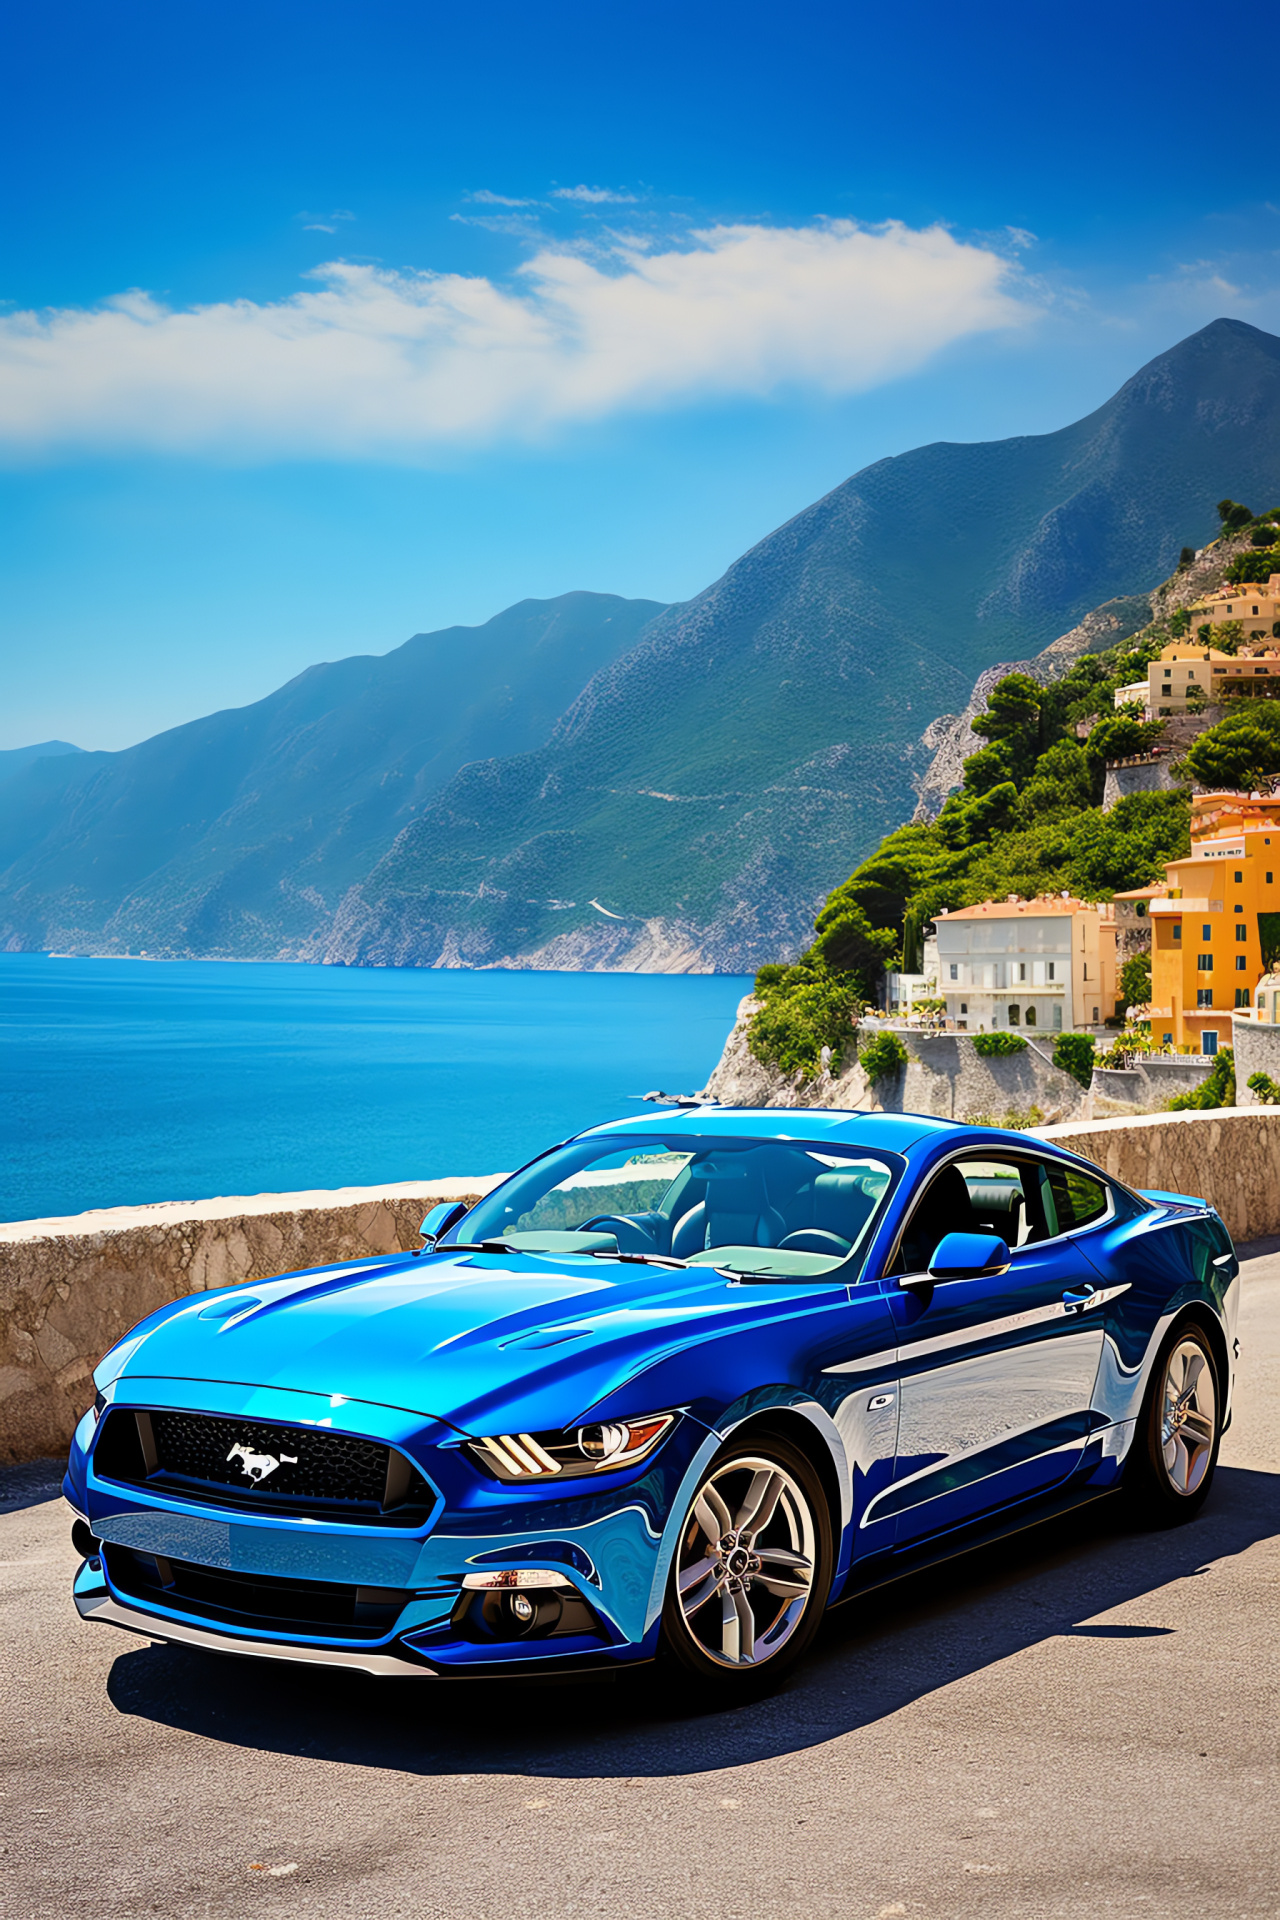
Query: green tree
point(1135, 981)
point(803, 1011)
point(1233, 516)
point(1265, 1087)
point(1062, 782)
point(1241, 752)
point(850, 945)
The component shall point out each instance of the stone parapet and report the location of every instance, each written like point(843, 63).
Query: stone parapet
point(70, 1288)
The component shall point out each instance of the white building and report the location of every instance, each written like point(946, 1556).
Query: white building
point(1048, 963)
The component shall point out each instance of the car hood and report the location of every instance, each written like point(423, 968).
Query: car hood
point(465, 1338)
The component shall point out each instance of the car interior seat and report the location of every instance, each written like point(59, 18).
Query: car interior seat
point(839, 1208)
point(946, 1208)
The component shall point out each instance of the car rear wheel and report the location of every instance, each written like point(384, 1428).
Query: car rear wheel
point(1175, 1450)
point(751, 1572)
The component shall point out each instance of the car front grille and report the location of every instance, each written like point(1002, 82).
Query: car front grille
point(243, 1600)
point(265, 1468)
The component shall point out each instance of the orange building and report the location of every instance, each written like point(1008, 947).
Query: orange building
point(1206, 947)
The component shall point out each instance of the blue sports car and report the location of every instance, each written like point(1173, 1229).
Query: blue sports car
point(667, 1393)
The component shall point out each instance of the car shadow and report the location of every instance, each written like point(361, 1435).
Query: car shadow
point(31, 1484)
point(873, 1657)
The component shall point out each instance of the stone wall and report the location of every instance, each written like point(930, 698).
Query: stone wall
point(1144, 773)
point(944, 1075)
point(70, 1288)
point(1148, 1085)
point(1257, 1050)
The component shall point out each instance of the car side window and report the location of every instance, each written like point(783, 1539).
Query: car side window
point(977, 1194)
point(1074, 1199)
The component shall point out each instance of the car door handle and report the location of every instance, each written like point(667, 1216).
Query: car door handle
point(1076, 1299)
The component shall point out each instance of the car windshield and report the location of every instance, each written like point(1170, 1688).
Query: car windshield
point(785, 1209)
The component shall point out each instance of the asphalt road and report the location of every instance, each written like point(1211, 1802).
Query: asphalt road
point(1081, 1724)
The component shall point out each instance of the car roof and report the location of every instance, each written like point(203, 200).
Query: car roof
point(893, 1131)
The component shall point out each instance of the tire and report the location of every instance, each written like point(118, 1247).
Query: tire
point(746, 1593)
point(1175, 1450)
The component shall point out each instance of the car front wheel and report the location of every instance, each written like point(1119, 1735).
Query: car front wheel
point(752, 1571)
point(1175, 1450)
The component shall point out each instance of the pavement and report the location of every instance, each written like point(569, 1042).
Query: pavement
point(1079, 1723)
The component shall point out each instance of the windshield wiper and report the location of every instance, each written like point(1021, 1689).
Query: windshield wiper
point(480, 1246)
point(639, 1259)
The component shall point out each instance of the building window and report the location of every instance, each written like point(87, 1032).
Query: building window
point(1239, 909)
point(1268, 879)
point(1206, 931)
point(1204, 996)
point(1242, 996)
point(1085, 969)
point(1057, 1017)
point(964, 1006)
point(1166, 1039)
point(955, 971)
point(1242, 932)
point(1014, 1016)
point(1208, 1043)
point(1177, 929)
point(1204, 963)
point(1239, 880)
point(1141, 909)
point(1095, 1016)
point(1242, 963)
point(1022, 969)
point(1031, 1016)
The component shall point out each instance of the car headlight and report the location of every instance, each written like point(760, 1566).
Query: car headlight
point(589, 1449)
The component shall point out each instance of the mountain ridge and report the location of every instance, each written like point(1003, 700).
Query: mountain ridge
point(698, 790)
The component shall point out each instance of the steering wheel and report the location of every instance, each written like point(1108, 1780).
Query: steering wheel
point(630, 1235)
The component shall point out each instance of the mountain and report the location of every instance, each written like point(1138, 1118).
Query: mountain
point(601, 783)
point(239, 833)
point(704, 792)
point(12, 758)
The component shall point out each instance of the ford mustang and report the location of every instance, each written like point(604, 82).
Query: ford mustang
point(666, 1394)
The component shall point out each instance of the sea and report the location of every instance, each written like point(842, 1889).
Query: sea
point(124, 1082)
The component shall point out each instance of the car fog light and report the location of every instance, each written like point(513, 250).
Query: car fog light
point(522, 1607)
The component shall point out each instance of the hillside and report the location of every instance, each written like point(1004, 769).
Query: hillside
point(706, 791)
point(239, 833)
point(582, 784)
point(1024, 815)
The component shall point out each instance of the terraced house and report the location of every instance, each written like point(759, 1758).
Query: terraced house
point(1214, 930)
point(1047, 963)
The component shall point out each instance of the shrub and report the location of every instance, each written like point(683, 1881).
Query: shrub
point(1265, 1087)
point(994, 1046)
point(1217, 1089)
point(1015, 1119)
point(1073, 1052)
point(803, 1012)
point(1233, 516)
point(883, 1057)
point(1185, 558)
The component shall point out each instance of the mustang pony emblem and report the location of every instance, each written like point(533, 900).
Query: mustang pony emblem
point(259, 1465)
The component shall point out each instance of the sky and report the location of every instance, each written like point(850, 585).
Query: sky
point(324, 325)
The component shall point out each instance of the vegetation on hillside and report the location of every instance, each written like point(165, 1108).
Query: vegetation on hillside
point(1026, 820)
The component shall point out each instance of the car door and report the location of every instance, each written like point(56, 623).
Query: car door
point(996, 1375)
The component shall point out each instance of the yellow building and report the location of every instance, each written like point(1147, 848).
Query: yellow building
point(1256, 607)
point(1185, 669)
point(1206, 947)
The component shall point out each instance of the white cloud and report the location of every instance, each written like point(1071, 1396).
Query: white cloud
point(373, 362)
point(482, 197)
point(594, 196)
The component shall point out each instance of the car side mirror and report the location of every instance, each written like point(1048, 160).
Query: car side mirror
point(969, 1256)
point(440, 1219)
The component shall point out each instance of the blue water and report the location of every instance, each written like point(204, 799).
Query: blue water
point(126, 1081)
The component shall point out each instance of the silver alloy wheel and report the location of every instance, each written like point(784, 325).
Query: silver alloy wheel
point(1188, 1421)
point(745, 1568)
